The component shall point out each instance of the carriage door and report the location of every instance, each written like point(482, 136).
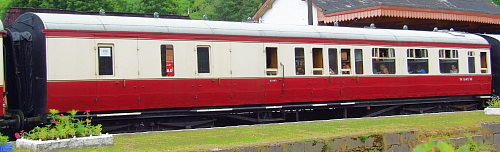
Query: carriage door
point(117, 69)
point(244, 63)
point(275, 79)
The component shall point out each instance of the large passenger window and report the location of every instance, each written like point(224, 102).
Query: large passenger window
point(358, 61)
point(448, 61)
point(203, 55)
point(317, 61)
point(418, 61)
point(300, 68)
point(105, 54)
point(345, 56)
point(332, 61)
point(384, 61)
point(167, 60)
point(472, 61)
point(271, 61)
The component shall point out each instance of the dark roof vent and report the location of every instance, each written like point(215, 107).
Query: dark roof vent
point(102, 12)
point(336, 23)
point(405, 27)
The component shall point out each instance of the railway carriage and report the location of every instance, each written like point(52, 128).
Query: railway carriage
point(147, 67)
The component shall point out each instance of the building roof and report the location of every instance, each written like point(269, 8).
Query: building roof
point(481, 6)
point(156, 25)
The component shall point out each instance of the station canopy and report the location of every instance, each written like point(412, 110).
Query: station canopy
point(478, 16)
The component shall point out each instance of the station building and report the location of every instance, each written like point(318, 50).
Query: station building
point(473, 16)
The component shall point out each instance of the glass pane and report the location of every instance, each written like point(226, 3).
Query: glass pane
point(105, 60)
point(203, 60)
point(358, 58)
point(384, 66)
point(332, 60)
point(448, 66)
point(418, 66)
point(345, 56)
point(472, 65)
point(299, 61)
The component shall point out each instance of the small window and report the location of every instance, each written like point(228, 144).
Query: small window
point(300, 68)
point(358, 61)
point(472, 62)
point(448, 61)
point(271, 61)
point(203, 54)
point(317, 61)
point(167, 60)
point(383, 61)
point(332, 60)
point(484, 64)
point(105, 54)
point(345, 57)
point(418, 62)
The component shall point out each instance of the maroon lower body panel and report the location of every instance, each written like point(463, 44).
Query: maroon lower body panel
point(111, 95)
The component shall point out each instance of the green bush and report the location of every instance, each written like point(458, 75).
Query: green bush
point(3, 139)
point(62, 127)
point(494, 102)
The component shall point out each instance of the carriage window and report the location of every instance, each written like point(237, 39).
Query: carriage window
point(484, 64)
point(345, 57)
point(418, 61)
point(105, 54)
point(317, 61)
point(167, 60)
point(203, 59)
point(472, 62)
point(271, 61)
point(332, 61)
point(383, 61)
point(448, 61)
point(358, 61)
point(299, 61)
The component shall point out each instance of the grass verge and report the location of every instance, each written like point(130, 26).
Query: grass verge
point(434, 124)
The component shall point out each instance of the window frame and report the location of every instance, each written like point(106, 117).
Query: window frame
point(391, 55)
point(336, 61)
point(453, 55)
point(267, 70)
point(412, 55)
point(209, 60)
point(113, 64)
point(164, 56)
point(295, 61)
point(320, 61)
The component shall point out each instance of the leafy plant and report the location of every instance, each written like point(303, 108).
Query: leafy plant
point(63, 126)
point(3, 139)
point(441, 146)
point(494, 102)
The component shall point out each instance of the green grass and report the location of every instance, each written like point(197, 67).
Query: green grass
point(442, 124)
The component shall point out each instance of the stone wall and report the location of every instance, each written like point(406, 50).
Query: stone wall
point(388, 142)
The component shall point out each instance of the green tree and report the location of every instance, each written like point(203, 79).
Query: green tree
point(497, 2)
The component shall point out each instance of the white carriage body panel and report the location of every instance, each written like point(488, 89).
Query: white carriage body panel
point(247, 59)
point(71, 59)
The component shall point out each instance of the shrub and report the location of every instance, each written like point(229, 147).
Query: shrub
point(3, 139)
point(494, 102)
point(63, 126)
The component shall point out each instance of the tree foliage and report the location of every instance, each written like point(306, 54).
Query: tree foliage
point(228, 10)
